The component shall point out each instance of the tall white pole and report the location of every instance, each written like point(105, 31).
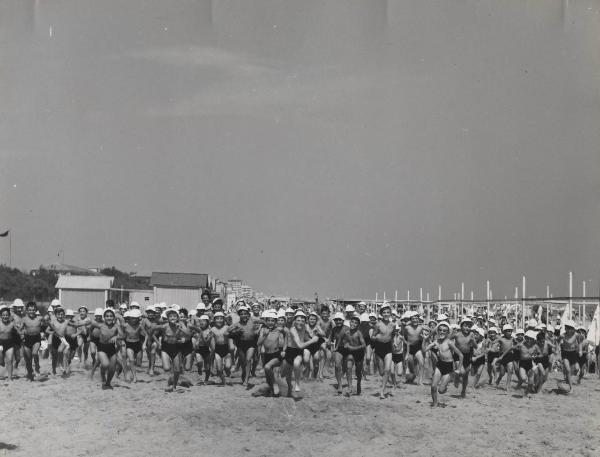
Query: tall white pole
point(384, 295)
point(462, 297)
point(421, 295)
point(523, 295)
point(487, 295)
point(439, 292)
point(570, 316)
point(583, 303)
point(396, 296)
point(516, 305)
point(376, 297)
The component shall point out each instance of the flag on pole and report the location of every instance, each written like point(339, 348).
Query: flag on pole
point(5, 234)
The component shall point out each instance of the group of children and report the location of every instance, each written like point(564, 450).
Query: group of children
point(292, 345)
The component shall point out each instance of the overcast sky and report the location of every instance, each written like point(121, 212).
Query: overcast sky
point(345, 147)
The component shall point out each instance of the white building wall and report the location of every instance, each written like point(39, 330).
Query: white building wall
point(184, 297)
point(91, 299)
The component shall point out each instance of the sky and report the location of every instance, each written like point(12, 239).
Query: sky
point(340, 147)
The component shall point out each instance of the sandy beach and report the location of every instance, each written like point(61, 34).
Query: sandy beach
point(58, 417)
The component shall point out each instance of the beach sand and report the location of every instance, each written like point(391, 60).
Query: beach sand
point(74, 417)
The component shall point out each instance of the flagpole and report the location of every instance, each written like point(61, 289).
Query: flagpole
point(10, 248)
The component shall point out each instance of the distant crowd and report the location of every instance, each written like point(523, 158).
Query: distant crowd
point(290, 344)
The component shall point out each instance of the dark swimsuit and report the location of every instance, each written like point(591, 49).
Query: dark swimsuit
point(397, 358)
point(526, 364)
point(314, 347)
point(543, 361)
point(358, 355)
point(491, 356)
point(109, 349)
point(414, 348)
point(244, 345)
point(445, 367)
point(382, 349)
point(222, 349)
point(185, 348)
point(204, 351)
point(467, 359)
point(31, 340)
point(571, 356)
point(509, 357)
point(291, 354)
point(171, 349)
point(135, 346)
point(273, 355)
point(7, 344)
point(477, 362)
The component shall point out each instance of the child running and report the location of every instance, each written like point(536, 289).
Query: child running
point(32, 328)
point(354, 343)
point(444, 350)
point(383, 333)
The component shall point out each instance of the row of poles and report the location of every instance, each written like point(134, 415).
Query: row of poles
point(460, 298)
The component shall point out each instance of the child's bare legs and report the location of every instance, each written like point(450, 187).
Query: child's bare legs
point(297, 373)
point(175, 370)
point(338, 360)
point(385, 367)
point(317, 369)
point(151, 353)
point(464, 373)
point(410, 366)
point(349, 367)
point(107, 368)
point(270, 375)
point(287, 369)
point(130, 359)
point(7, 358)
point(246, 360)
point(435, 381)
point(567, 373)
point(218, 362)
point(28, 353)
point(419, 368)
point(359, 375)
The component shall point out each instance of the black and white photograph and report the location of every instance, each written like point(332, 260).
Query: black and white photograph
point(299, 228)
